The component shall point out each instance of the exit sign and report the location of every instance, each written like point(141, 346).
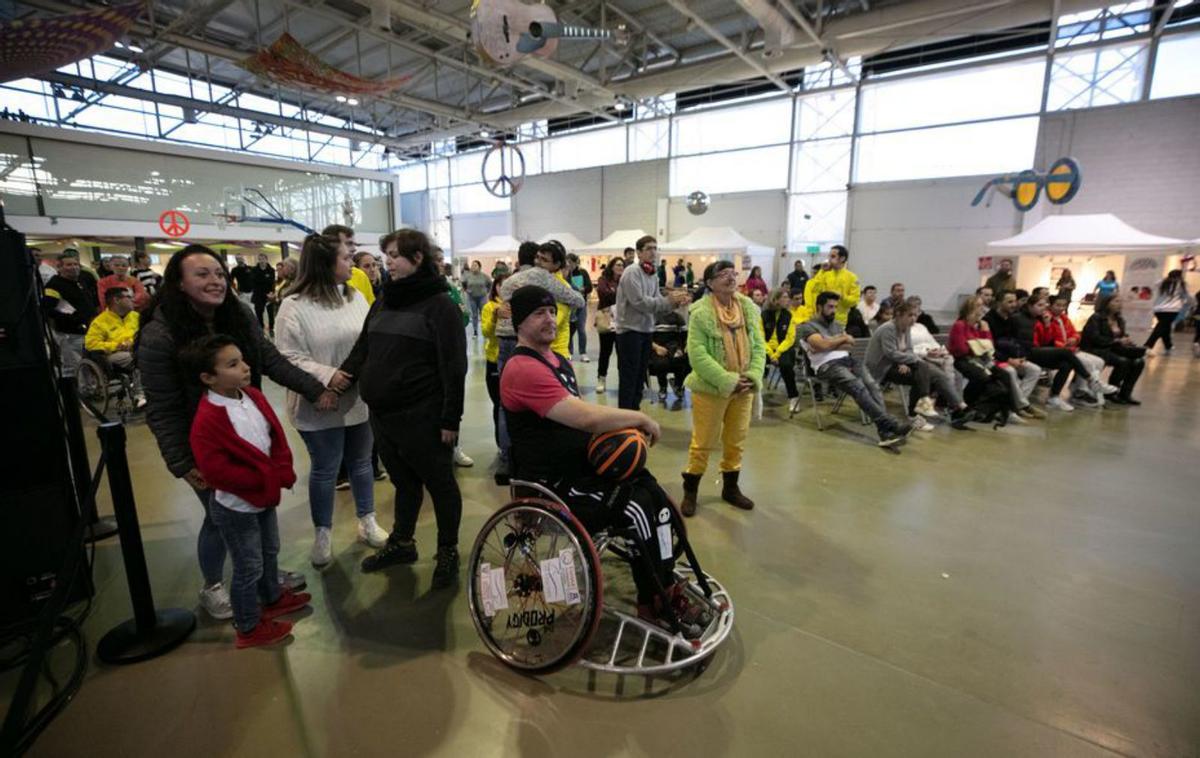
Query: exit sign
point(813, 249)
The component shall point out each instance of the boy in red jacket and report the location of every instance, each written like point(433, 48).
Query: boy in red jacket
point(241, 451)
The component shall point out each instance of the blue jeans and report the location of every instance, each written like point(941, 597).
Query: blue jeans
point(579, 328)
point(849, 377)
point(210, 547)
point(327, 449)
point(253, 542)
point(477, 304)
point(633, 361)
point(507, 346)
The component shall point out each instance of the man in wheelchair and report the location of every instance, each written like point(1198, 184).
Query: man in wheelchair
point(550, 427)
point(110, 336)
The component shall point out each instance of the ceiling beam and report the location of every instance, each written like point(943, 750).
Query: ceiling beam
point(728, 44)
point(830, 52)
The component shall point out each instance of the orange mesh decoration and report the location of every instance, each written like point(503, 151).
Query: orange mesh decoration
point(287, 63)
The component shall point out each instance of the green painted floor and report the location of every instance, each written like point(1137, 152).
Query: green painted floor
point(1028, 592)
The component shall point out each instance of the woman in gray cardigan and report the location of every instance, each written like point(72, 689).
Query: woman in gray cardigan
point(196, 300)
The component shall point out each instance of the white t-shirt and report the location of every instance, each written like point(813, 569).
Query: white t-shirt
point(252, 426)
point(868, 311)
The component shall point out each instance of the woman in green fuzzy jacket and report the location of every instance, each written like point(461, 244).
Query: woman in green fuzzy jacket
point(727, 352)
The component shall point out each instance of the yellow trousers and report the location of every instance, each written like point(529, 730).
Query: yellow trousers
point(724, 420)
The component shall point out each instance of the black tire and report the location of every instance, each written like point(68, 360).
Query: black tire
point(591, 590)
point(92, 384)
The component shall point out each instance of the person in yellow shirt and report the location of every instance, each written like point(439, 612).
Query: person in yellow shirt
point(835, 278)
point(361, 282)
point(113, 331)
point(780, 332)
point(552, 256)
point(491, 349)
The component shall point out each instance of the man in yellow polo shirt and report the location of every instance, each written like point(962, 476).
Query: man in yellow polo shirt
point(112, 332)
point(838, 279)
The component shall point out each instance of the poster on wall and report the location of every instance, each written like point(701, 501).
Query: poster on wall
point(1142, 275)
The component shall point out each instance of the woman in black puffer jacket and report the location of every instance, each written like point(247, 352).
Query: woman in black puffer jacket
point(411, 362)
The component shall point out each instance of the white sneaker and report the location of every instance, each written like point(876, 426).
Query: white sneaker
point(215, 601)
point(1108, 389)
point(925, 408)
point(600, 386)
point(1058, 404)
point(462, 459)
point(583, 358)
point(919, 424)
point(322, 549)
point(794, 405)
point(370, 532)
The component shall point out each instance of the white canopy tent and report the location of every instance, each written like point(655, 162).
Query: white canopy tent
point(712, 242)
point(614, 243)
point(1098, 233)
point(572, 243)
point(498, 245)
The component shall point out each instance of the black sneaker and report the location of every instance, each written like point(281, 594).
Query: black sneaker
point(893, 437)
point(393, 553)
point(960, 418)
point(445, 572)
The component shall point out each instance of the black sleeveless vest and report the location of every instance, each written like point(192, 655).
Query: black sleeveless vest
point(542, 449)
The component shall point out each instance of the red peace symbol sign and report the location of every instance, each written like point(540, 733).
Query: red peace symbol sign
point(174, 223)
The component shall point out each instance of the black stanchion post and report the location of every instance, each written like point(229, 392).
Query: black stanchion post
point(97, 528)
point(149, 633)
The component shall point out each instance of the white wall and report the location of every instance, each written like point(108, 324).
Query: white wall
point(925, 234)
point(1140, 161)
point(469, 229)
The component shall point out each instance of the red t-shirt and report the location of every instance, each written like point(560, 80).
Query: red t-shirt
point(528, 385)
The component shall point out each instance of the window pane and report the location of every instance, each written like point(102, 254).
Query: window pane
point(601, 147)
point(649, 140)
point(1177, 68)
point(816, 219)
point(766, 123)
point(465, 168)
point(1104, 76)
point(439, 172)
point(735, 171)
point(826, 114)
point(412, 177)
point(963, 150)
point(821, 165)
point(943, 98)
point(474, 198)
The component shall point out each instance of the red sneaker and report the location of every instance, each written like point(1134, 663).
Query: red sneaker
point(288, 602)
point(268, 632)
point(691, 617)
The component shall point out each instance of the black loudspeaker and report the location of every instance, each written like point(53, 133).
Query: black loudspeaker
point(38, 505)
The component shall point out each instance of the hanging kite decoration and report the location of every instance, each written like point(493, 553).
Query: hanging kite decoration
point(39, 45)
point(1061, 183)
point(288, 64)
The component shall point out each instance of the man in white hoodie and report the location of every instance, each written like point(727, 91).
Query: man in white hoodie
point(638, 302)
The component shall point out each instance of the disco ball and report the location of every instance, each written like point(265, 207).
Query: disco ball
point(697, 203)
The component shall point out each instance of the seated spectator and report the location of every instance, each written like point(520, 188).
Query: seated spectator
point(759, 297)
point(781, 341)
point(1105, 335)
point(923, 318)
point(1060, 360)
point(1022, 299)
point(869, 305)
point(111, 333)
point(896, 297)
point(882, 316)
point(856, 327)
point(1037, 293)
point(1056, 330)
point(121, 278)
point(1011, 354)
point(986, 296)
point(668, 355)
point(890, 358)
point(974, 355)
point(826, 343)
point(925, 346)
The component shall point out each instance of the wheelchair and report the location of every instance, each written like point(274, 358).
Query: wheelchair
point(102, 384)
point(536, 594)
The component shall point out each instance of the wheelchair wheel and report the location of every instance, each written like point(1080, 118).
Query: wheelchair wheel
point(536, 589)
point(93, 384)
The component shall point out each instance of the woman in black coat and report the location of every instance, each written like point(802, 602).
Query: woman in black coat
point(1104, 335)
point(411, 365)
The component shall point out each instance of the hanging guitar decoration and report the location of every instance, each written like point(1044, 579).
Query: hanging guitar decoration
point(1061, 183)
point(503, 169)
point(507, 31)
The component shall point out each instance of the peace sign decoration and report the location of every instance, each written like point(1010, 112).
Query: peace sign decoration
point(503, 169)
point(174, 223)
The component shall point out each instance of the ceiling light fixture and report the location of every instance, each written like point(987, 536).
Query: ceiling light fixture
point(485, 134)
point(135, 48)
point(352, 101)
point(340, 98)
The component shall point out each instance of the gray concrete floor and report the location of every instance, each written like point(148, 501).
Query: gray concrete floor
point(1033, 591)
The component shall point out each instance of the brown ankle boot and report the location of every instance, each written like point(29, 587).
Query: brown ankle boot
point(731, 494)
point(691, 487)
